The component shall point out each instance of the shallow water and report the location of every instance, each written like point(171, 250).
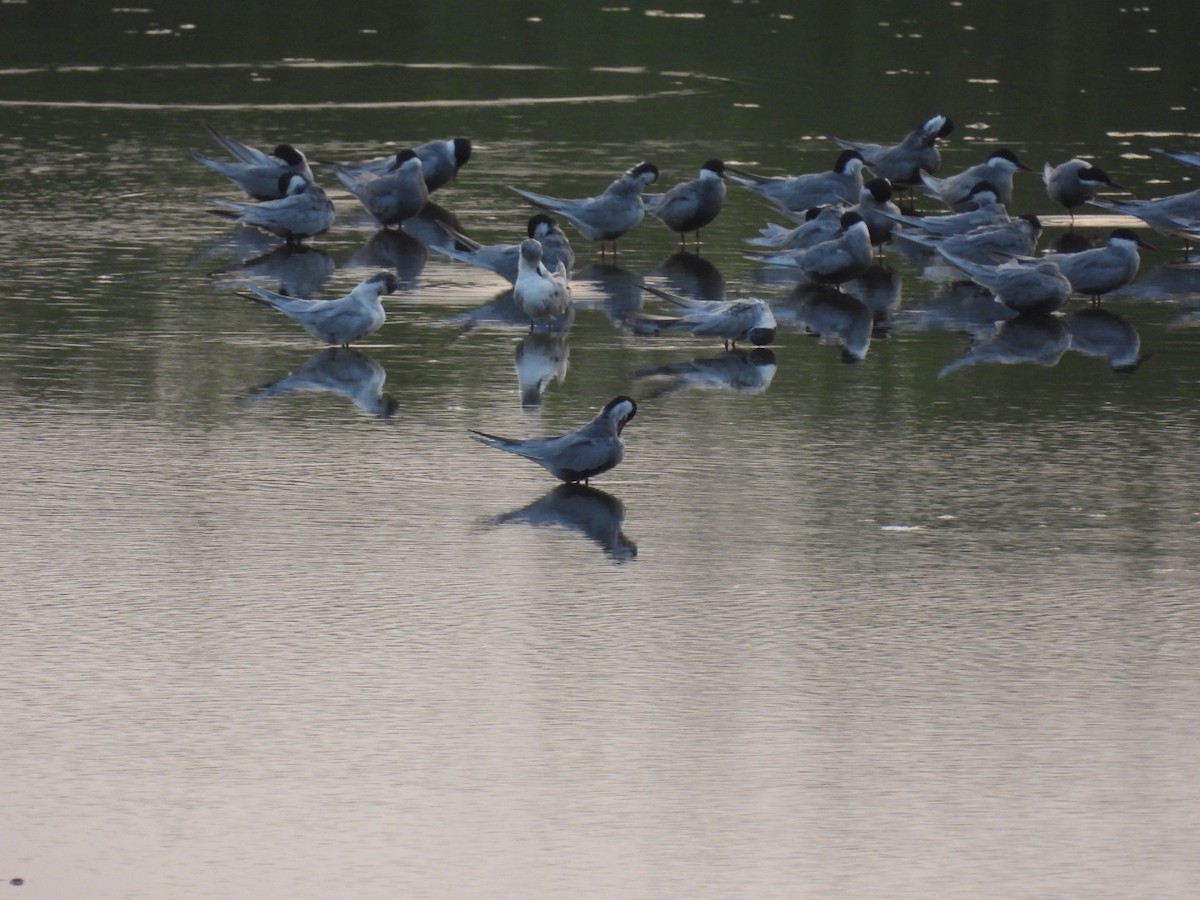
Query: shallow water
point(921, 626)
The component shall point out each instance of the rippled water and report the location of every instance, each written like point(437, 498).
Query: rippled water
point(921, 626)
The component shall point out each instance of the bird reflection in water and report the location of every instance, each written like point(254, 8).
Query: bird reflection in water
point(879, 290)
point(389, 248)
point(593, 513)
point(336, 370)
point(961, 307)
point(1098, 332)
point(299, 270)
point(502, 312)
point(1028, 338)
point(432, 226)
point(734, 370)
point(540, 358)
point(833, 316)
point(1175, 281)
point(608, 289)
point(1072, 242)
point(693, 276)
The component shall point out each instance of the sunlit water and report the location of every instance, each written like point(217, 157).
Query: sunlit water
point(921, 626)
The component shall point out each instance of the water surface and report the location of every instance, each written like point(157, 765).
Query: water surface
point(903, 628)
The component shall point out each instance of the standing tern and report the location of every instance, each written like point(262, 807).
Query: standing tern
point(749, 319)
point(843, 258)
point(1101, 270)
point(398, 194)
point(988, 210)
point(840, 185)
point(606, 216)
point(339, 322)
point(820, 224)
point(1170, 215)
point(1041, 288)
point(502, 258)
point(257, 173)
point(1183, 156)
point(902, 163)
point(877, 210)
point(541, 294)
point(579, 454)
point(302, 211)
point(991, 244)
point(998, 170)
point(440, 162)
point(690, 205)
point(1074, 182)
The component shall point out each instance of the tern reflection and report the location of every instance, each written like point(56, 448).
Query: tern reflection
point(589, 511)
point(1072, 242)
point(964, 307)
point(734, 370)
point(234, 247)
point(1177, 281)
point(835, 317)
point(502, 312)
point(1037, 339)
point(299, 270)
point(693, 276)
point(427, 225)
point(337, 370)
point(879, 290)
point(1098, 332)
point(609, 289)
point(389, 248)
point(540, 358)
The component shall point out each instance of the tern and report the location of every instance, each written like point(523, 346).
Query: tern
point(955, 190)
point(606, 216)
point(398, 194)
point(820, 224)
point(1040, 288)
point(502, 258)
point(877, 210)
point(541, 294)
point(302, 211)
point(338, 322)
point(988, 211)
point(841, 185)
point(690, 205)
point(1175, 214)
point(749, 319)
point(1074, 182)
point(579, 454)
point(991, 244)
point(1183, 156)
point(836, 261)
point(1101, 270)
point(440, 162)
point(257, 173)
point(902, 163)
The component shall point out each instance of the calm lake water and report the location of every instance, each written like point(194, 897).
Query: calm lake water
point(903, 628)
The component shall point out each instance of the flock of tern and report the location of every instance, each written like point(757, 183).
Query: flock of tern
point(837, 219)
